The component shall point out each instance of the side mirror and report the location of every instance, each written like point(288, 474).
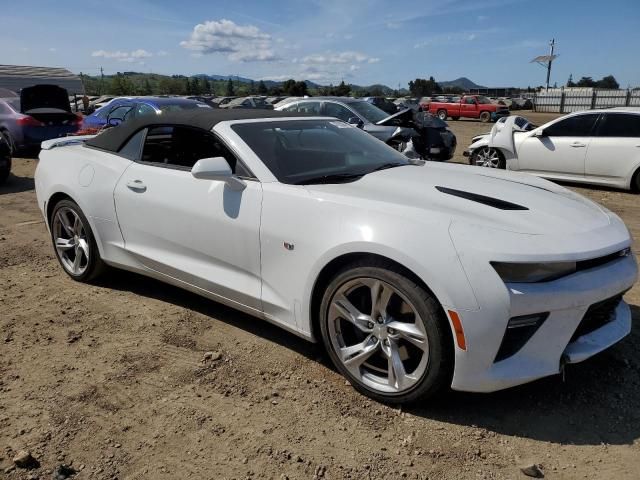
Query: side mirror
point(217, 168)
point(114, 122)
point(355, 121)
point(539, 133)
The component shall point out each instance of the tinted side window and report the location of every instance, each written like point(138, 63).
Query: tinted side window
point(132, 148)
point(619, 125)
point(121, 113)
point(144, 109)
point(576, 126)
point(470, 101)
point(182, 147)
point(335, 110)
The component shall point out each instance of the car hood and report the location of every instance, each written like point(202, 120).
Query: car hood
point(475, 195)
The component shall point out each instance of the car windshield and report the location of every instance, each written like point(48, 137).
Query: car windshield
point(317, 151)
point(483, 100)
point(369, 111)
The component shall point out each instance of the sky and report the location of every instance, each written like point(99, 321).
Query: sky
point(363, 42)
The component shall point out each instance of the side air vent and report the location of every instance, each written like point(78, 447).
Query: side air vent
point(489, 201)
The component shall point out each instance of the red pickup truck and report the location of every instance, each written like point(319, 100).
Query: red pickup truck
point(469, 106)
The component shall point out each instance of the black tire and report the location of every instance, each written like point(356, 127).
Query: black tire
point(473, 158)
point(442, 115)
point(635, 182)
point(485, 117)
point(94, 264)
point(439, 369)
point(9, 139)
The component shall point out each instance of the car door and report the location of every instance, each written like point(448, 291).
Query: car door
point(561, 149)
point(200, 232)
point(614, 152)
point(469, 107)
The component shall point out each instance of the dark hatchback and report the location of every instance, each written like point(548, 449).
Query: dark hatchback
point(39, 113)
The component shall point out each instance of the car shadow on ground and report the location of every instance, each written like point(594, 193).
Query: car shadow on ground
point(150, 288)
point(596, 403)
point(15, 184)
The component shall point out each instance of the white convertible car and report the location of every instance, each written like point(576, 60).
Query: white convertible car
point(600, 147)
point(414, 277)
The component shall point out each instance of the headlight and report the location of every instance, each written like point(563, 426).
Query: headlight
point(533, 272)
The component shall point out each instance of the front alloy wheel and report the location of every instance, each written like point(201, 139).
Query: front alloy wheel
point(487, 157)
point(385, 334)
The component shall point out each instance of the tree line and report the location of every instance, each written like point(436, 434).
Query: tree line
point(605, 82)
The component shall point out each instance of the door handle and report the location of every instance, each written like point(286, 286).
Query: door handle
point(578, 144)
point(136, 186)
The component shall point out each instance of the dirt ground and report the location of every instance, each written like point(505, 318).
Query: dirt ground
point(110, 379)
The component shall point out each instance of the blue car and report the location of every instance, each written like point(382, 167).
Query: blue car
point(123, 109)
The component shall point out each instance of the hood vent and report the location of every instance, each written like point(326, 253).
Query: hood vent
point(489, 201)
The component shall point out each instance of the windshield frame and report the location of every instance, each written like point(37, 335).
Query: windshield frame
point(370, 107)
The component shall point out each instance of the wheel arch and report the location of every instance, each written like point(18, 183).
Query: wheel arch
point(329, 270)
point(52, 201)
point(634, 185)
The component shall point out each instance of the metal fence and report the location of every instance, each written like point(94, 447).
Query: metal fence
point(565, 100)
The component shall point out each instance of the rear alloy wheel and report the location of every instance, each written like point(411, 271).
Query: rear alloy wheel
point(485, 117)
point(442, 115)
point(487, 157)
point(385, 334)
point(74, 242)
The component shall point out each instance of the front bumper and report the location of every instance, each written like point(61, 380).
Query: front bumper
point(566, 300)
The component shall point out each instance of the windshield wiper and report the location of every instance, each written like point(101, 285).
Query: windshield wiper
point(333, 178)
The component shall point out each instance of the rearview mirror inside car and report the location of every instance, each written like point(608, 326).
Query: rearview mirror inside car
point(217, 168)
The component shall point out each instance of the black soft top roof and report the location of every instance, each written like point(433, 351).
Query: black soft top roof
point(114, 138)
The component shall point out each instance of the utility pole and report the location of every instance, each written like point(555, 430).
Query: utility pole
point(547, 60)
point(552, 44)
point(101, 80)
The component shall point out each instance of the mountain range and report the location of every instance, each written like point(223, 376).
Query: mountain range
point(462, 82)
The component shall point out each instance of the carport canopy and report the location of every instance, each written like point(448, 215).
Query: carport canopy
point(14, 78)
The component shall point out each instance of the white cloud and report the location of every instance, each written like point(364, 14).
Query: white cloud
point(393, 25)
point(53, 50)
point(336, 58)
point(242, 43)
point(162, 53)
point(454, 38)
point(120, 56)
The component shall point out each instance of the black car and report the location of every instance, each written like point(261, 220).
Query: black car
point(418, 134)
point(383, 104)
point(5, 159)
